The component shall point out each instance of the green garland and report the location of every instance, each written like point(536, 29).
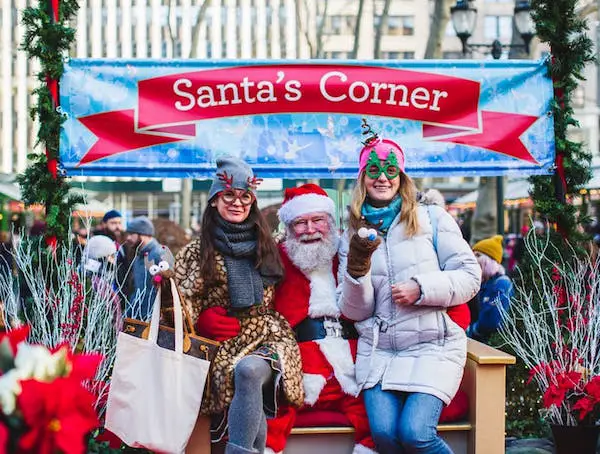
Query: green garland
point(48, 41)
point(558, 24)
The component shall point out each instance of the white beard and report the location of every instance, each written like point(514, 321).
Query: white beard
point(311, 256)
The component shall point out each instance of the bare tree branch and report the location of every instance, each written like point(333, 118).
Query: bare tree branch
point(303, 29)
point(439, 22)
point(320, 30)
point(383, 20)
point(170, 12)
point(587, 9)
point(196, 29)
point(361, 6)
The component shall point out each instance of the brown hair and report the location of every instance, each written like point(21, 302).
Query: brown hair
point(408, 192)
point(267, 254)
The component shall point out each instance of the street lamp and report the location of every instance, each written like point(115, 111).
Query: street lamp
point(464, 18)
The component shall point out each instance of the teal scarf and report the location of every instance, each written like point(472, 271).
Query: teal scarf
point(382, 218)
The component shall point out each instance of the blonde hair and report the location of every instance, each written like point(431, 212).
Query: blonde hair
point(408, 192)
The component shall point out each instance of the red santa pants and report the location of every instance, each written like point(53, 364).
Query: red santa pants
point(331, 399)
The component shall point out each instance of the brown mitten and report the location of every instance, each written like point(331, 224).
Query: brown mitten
point(359, 253)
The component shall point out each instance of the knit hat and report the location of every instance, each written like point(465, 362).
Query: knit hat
point(141, 225)
point(233, 173)
point(308, 198)
point(110, 215)
point(382, 147)
point(492, 247)
point(99, 247)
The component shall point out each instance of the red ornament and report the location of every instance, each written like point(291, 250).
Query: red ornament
point(51, 242)
point(53, 167)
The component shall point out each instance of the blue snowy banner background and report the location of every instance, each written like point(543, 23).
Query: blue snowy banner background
point(111, 129)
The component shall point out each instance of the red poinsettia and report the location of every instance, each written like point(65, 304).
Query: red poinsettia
point(58, 414)
point(80, 366)
point(558, 389)
point(15, 337)
point(588, 402)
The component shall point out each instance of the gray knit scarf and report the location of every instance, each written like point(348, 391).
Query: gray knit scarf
point(237, 243)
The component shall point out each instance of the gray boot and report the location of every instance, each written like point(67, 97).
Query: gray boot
point(230, 448)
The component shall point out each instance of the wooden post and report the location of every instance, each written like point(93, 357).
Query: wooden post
point(485, 383)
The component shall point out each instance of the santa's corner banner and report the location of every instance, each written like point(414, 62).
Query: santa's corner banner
point(299, 119)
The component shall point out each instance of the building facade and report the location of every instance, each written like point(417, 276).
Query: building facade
point(249, 29)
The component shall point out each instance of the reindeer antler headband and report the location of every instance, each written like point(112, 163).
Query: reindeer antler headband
point(253, 182)
point(226, 179)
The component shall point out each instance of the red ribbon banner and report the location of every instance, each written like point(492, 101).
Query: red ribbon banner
point(168, 106)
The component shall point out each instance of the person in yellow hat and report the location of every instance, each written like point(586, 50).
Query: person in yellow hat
point(496, 289)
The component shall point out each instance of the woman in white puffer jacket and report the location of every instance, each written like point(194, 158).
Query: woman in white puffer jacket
point(397, 285)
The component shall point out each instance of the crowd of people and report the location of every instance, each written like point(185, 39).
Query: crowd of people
point(120, 257)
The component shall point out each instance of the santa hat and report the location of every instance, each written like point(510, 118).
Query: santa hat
point(308, 198)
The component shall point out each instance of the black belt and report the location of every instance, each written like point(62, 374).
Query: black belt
point(311, 329)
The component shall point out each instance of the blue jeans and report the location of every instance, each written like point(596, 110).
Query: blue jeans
point(404, 422)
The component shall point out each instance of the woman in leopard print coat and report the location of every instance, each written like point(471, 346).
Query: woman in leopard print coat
point(233, 267)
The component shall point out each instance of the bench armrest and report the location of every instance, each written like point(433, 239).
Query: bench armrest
point(485, 384)
point(484, 354)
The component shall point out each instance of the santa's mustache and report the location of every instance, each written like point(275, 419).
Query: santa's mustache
point(311, 236)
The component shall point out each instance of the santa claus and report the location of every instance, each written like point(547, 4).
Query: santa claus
point(307, 299)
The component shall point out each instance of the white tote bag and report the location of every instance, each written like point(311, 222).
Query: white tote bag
point(155, 393)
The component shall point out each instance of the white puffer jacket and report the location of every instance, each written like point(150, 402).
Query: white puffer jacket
point(415, 348)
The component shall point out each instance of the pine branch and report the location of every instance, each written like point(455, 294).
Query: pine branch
point(49, 43)
point(558, 24)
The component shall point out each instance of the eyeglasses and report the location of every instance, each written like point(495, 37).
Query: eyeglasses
point(229, 196)
point(375, 172)
point(375, 167)
point(302, 224)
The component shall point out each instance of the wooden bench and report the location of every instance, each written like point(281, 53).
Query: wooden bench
point(340, 440)
point(484, 382)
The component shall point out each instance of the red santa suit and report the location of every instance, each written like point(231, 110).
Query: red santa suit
point(327, 362)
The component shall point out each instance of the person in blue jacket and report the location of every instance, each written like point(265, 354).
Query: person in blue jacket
point(496, 289)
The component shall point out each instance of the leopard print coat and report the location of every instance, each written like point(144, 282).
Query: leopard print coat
point(268, 329)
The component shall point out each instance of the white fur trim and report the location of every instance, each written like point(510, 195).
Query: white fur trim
point(322, 301)
point(270, 451)
point(313, 385)
point(303, 204)
point(361, 449)
point(337, 351)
